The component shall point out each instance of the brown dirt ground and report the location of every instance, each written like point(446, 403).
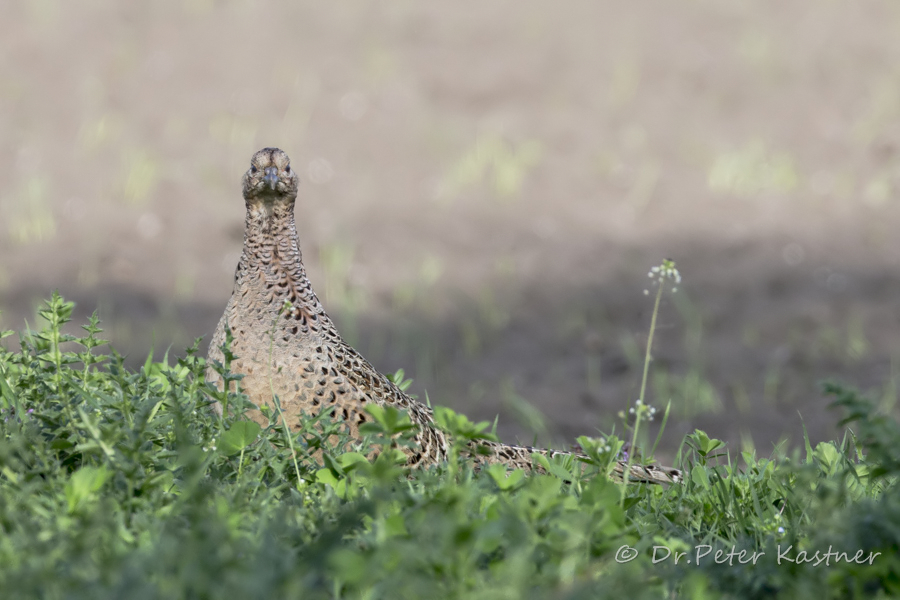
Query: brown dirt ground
point(486, 186)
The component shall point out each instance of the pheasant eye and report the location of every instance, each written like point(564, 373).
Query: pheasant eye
point(253, 169)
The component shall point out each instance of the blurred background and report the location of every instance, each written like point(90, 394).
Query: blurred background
point(484, 189)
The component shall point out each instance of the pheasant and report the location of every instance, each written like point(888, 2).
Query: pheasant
point(285, 344)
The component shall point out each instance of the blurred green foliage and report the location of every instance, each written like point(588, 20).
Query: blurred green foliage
point(122, 484)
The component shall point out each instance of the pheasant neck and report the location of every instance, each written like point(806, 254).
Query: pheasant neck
point(267, 219)
point(273, 261)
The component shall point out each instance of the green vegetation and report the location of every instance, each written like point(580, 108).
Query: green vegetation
point(121, 484)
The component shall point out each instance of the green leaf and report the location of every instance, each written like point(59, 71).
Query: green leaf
point(349, 459)
point(541, 460)
point(389, 421)
point(703, 443)
point(326, 477)
point(241, 435)
point(460, 427)
point(560, 471)
point(828, 457)
point(83, 484)
point(700, 477)
point(398, 379)
point(505, 480)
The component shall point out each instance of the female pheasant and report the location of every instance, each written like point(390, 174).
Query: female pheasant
point(286, 344)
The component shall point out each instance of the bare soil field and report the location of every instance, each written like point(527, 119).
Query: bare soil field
point(485, 186)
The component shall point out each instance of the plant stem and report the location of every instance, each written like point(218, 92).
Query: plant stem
point(637, 412)
point(647, 356)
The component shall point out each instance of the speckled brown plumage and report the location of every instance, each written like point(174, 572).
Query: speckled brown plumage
point(286, 344)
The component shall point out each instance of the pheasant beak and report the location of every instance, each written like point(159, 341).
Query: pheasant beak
point(271, 177)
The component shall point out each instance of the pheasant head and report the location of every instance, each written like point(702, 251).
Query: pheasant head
point(270, 179)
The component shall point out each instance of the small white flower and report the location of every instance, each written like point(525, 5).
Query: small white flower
point(666, 270)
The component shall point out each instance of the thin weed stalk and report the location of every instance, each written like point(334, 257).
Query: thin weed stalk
point(643, 411)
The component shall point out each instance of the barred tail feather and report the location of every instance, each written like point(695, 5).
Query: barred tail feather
point(519, 457)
